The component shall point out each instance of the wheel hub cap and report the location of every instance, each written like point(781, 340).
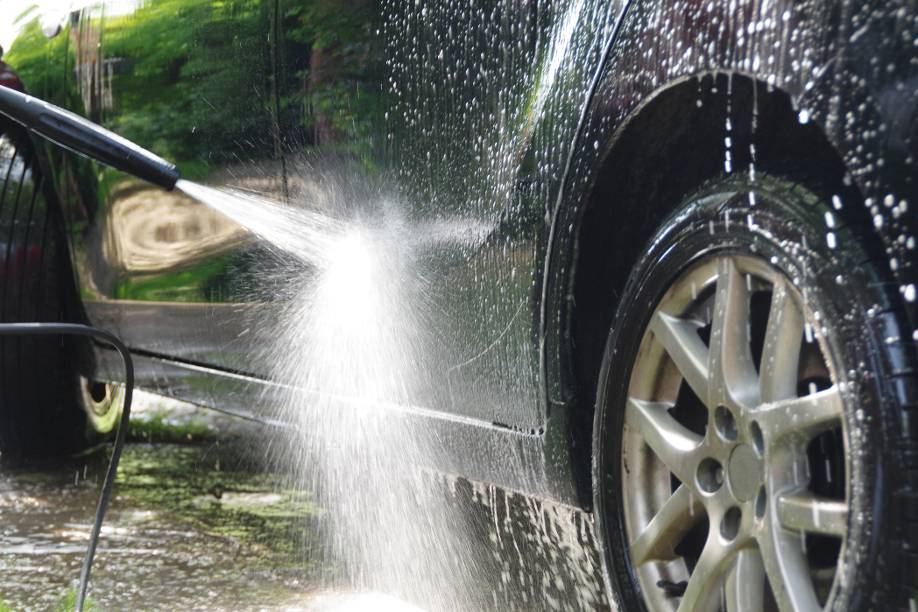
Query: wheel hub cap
point(744, 472)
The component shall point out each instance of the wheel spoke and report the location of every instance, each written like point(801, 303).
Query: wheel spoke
point(731, 369)
point(806, 416)
point(811, 514)
point(787, 570)
point(756, 442)
point(781, 352)
point(745, 587)
point(704, 585)
point(667, 528)
point(684, 346)
point(671, 441)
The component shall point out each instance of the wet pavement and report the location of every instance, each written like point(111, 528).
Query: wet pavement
point(201, 521)
point(198, 521)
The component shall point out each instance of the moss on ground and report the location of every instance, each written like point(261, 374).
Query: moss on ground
point(209, 488)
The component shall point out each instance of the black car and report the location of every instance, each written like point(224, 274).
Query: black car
point(653, 258)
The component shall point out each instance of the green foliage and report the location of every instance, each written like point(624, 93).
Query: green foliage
point(325, 23)
point(197, 284)
point(32, 54)
point(69, 600)
point(332, 80)
point(211, 82)
point(196, 78)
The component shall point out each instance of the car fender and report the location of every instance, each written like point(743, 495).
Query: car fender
point(848, 70)
point(822, 67)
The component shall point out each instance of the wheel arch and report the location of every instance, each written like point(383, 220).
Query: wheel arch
point(842, 86)
point(668, 147)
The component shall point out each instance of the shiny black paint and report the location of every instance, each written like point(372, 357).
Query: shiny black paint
point(833, 155)
point(175, 279)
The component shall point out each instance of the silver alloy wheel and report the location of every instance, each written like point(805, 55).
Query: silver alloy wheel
point(741, 460)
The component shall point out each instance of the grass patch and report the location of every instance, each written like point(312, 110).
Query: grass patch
point(68, 603)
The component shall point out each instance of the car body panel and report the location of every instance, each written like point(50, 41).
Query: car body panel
point(188, 273)
point(840, 63)
point(486, 138)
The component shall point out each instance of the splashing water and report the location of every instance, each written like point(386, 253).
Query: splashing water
point(363, 326)
point(305, 234)
point(349, 343)
point(351, 346)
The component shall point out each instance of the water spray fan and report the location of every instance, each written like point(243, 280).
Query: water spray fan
point(75, 133)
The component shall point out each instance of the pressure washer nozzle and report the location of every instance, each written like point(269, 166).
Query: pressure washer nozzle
point(86, 138)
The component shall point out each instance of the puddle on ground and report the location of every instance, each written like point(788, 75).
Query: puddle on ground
point(200, 521)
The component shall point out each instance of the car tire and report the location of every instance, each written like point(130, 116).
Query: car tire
point(754, 421)
point(43, 407)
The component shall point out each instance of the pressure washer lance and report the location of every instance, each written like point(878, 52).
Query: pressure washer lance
point(86, 138)
point(75, 329)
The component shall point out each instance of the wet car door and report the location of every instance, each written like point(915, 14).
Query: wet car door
point(353, 129)
point(482, 102)
point(435, 106)
point(193, 81)
point(439, 109)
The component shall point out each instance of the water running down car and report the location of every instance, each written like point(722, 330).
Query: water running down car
point(679, 283)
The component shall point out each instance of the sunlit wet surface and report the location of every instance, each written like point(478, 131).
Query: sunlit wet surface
point(197, 522)
point(200, 521)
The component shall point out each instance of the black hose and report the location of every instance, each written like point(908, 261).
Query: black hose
point(75, 329)
point(86, 138)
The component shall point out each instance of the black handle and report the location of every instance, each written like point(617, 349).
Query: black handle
point(86, 138)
